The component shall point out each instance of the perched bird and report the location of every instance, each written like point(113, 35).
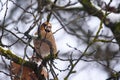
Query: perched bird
point(44, 44)
point(45, 41)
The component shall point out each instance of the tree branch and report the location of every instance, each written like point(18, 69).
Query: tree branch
point(92, 10)
point(10, 56)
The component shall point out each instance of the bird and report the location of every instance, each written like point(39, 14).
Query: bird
point(45, 43)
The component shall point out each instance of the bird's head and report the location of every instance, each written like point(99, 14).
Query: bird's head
point(43, 29)
point(46, 26)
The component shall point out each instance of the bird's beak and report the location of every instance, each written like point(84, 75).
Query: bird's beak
point(47, 29)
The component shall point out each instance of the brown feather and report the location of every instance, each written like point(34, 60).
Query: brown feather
point(41, 47)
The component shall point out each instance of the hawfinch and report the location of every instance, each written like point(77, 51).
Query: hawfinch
point(45, 41)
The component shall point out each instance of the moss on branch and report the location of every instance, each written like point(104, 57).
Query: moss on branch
point(10, 56)
point(92, 10)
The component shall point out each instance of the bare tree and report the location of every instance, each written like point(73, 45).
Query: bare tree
point(20, 19)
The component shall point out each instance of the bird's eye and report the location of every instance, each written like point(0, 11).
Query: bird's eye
point(49, 27)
